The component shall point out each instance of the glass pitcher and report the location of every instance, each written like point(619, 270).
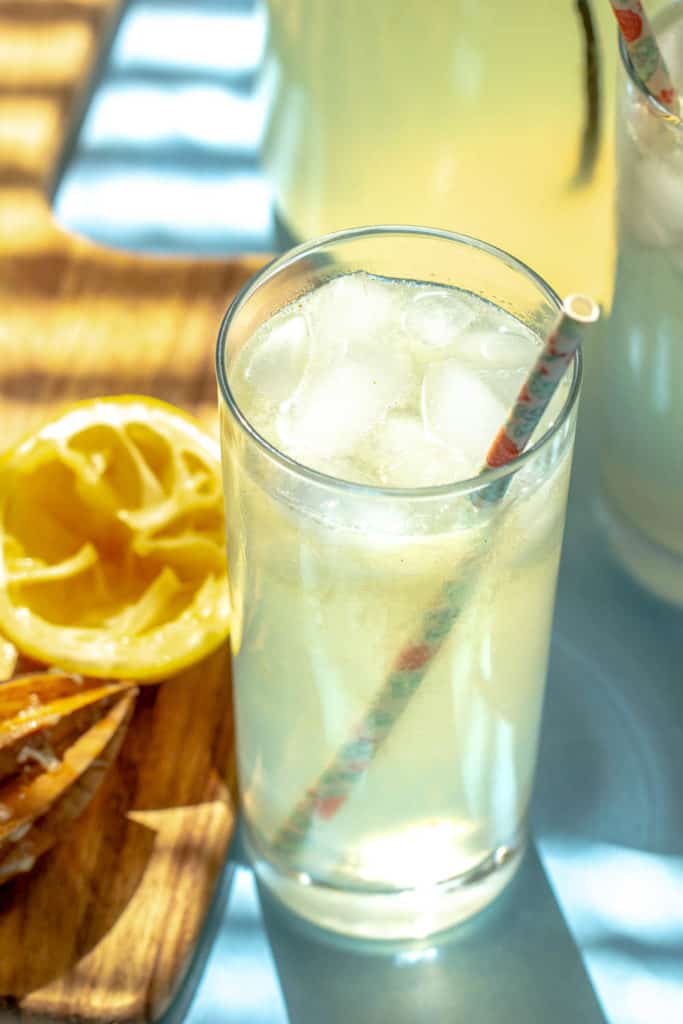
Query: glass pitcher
point(488, 119)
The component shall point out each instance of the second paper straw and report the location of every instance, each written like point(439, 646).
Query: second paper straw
point(644, 52)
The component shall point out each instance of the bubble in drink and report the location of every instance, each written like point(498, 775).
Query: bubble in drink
point(407, 457)
point(332, 414)
point(461, 410)
point(498, 350)
point(349, 308)
point(277, 367)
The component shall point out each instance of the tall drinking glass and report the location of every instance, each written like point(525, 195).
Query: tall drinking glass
point(338, 585)
point(642, 446)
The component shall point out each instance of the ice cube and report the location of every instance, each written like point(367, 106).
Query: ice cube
point(348, 309)
point(646, 131)
point(460, 409)
point(653, 207)
point(506, 384)
point(435, 318)
point(276, 362)
point(331, 413)
point(405, 456)
point(499, 349)
point(389, 363)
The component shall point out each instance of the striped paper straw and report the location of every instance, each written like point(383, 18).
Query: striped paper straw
point(644, 52)
point(537, 391)
point(327, 794)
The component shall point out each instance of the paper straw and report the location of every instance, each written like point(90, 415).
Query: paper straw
point(644, 52)
point(537, 391)
point(327, 794)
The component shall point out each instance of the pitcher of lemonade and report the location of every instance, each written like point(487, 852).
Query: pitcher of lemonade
point(489, 119)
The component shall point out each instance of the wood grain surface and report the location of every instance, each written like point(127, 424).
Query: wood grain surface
point(104, 927)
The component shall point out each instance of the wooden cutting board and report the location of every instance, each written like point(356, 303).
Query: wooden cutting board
point(105, 926)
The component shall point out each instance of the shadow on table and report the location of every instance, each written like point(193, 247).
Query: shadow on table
point(167, 157)
point(514, 962)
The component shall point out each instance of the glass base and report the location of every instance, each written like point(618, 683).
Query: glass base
point(656, 568)
point(391, 915)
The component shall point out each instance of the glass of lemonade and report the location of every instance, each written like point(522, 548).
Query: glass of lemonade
point(362, 378)
point(642, 448)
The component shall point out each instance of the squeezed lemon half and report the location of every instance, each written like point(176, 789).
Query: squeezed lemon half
point(112, 552)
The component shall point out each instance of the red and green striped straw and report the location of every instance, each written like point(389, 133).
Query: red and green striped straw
point(646, 57)
point(329, 792)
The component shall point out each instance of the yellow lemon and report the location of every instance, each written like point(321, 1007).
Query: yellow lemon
point(112, 558)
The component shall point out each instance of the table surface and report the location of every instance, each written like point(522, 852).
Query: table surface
point(592, 928)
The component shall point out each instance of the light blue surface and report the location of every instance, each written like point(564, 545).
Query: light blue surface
point(609, 807)
point(240, 984)
point(168, 161)
point(514, 963)
point(167, 156)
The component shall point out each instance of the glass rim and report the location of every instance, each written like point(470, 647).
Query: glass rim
point(658, 108)
point(453, 489)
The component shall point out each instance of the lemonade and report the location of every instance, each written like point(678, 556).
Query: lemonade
point(389, 388)
point(642, 455)
point(471, 116)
